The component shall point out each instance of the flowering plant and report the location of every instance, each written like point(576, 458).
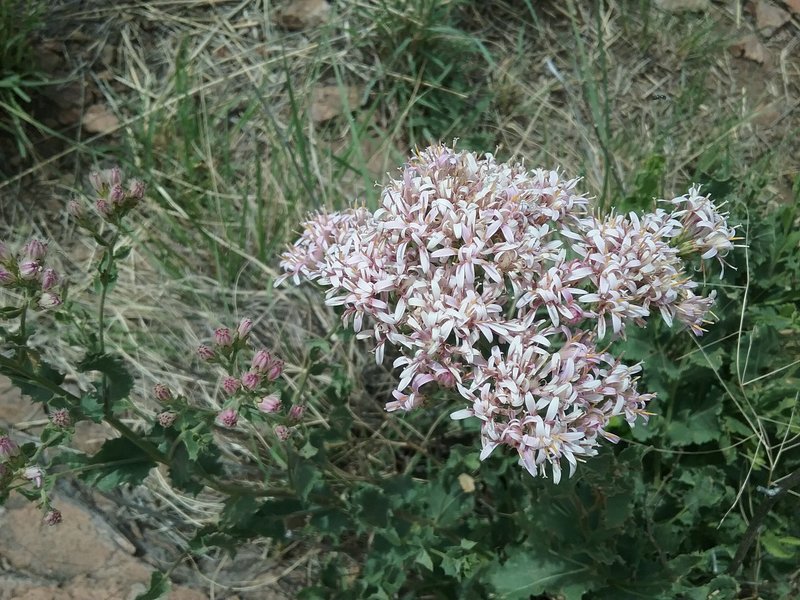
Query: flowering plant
point(499, 282)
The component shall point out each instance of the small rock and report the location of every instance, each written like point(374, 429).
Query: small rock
point(327, 101)
point(684, 5)
point(769, 18)
point(303, 14)
point(99, 119)
point(751, 48)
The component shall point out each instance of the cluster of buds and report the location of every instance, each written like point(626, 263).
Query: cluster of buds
point(497, 281)
point(14, 467)
point(248, 386)
point(26, 271)
point(114, 199)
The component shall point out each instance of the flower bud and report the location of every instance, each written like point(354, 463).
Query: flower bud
point(274, 370)
point(261, 360)
point(8, 448)
point(136, 189)
point(228, 418)
point(49, 300)
point(104, 208)
point(162, 392)
point(270, 404)
point(35, 250)
point(97, 181)
point(222, 337)
point(205, 353)
point(6, 277)
point(49, 279)
point(166, 419)
point(245, 325)
point(251, 380)
point(61, 418)
point(282, 432)
point(75, 209)
point(29, 270)
point(34, 474)
point(296, 412)
point(446, 379)
point(114, 176)
point(53, 517)
point(117, 194)
point(231, 385)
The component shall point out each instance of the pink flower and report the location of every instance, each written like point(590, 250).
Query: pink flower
point(282, 432)
point(61, 418)
point(244, 328)
point(162, 392)
point(251, 380)
point(167, 418)
point(29, 270)
point(222, 337)
point(228, 418)
point(49, 279)
point(231, 385)
point(104, 208)
point(274, 370)
point(49, 300)
point(53, 517)
point(6, 277)
point(270, 404)
point(261, 360)
point(136, 189)
point(75, 209)
point(8, 448)
point(117, 194)
point(296, 412)
point(205, 353)
point(35, 250)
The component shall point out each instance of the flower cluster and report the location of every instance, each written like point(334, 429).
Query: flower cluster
point(496, 281)
point(27, 272)
point(15, 469)
point(249, 386)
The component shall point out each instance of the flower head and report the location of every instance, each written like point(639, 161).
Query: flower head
point(228, 418)
point(53, 517)
point(61, 418)
point(269, 404)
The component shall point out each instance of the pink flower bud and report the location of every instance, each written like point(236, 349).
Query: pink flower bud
point(261, 360)
point(49, 300)
point(162, 392)
point(61, 418)
point(75, 209)
point(274, 370)
point(282, 432)
point(205, 353)
point(222, 337)
point(29, 270)
point(117, 194)
point(251, 380)
point(49, 279)
point(446, 379)
point(296, 412)
point(34, 474)
point(97, 181)
point(35, 250)
point(270, 404)
point(231, 385)
point(228, 418)
point(136, 189)
point(114, 176)
point(166, 419)
point(245, 325)
point(104, 208)
point(8, 448)
point(53, 517)
point(6, 277)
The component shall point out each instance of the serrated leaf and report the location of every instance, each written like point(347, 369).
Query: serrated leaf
point(424, 559)
point(118, 462)
point(532, 573)
point(120, 381)
point(160, 587)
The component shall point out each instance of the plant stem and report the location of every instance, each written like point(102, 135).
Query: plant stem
point(754, 528)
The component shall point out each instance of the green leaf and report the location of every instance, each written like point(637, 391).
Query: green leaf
point(92, 407)
point(528, 572)
point(120, 381)
point(160, 587)
point(118, 462)
point(10, 312)
point(424, 559)
point(780, 547)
